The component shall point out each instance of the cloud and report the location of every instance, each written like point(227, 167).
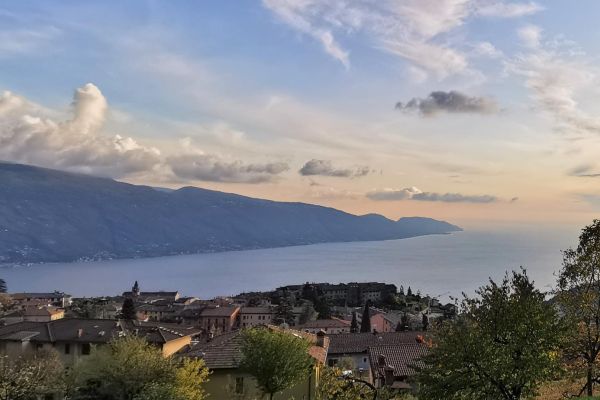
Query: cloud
point(584, 171)
point(411, 29)
point(555, 73)
point(210, 168)
point(413, 193)
point(508, 10)
point(530, 35)
point(450, 102)
point(487, 49)
point(27, 41)
point(29, 135)
point(326, 168)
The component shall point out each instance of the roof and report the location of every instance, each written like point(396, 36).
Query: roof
point(326, 323)
point(257, 310)
point(348, 343)
point(42, 311)
point(399, 356)
point(26, 295)
point(225, 351)
point(93, 331)
point(153, 294)
point(219, 311)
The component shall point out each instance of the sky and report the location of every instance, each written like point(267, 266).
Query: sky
point(479, 112)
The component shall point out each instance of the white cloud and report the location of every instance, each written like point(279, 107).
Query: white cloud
point(411, 29)
point(555, 76)
point(27, 41)
point(530, 35)
point(28, 135)
point(487, 49)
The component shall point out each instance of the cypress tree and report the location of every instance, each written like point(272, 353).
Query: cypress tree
point(128, 309)
point(425, 322)
point(354, 323)
point(365, 325)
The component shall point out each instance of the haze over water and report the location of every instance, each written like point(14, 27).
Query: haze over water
point(433, 264)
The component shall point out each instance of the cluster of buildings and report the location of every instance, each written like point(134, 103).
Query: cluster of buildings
point(210, 329)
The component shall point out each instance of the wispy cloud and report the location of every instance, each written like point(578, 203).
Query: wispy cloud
point(555, 73)
point(450, 102)
point(413, 193)
point(585, 171)
point(410, 29)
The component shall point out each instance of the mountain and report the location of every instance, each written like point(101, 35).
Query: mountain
point(53, 216)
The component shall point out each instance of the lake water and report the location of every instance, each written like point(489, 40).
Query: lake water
point(434, 264)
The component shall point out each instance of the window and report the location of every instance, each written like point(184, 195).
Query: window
point(239, 385)
point(333, 362)
point(67, 348)
point(86, 349)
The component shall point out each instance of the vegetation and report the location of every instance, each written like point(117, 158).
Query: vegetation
point(354, 323)
point(3, 287)
point(365, 323)
point(503, 345)
point(128, 309)
point(129, 368)
point(579, 299)
point(284, 312)
point(30, 377)
point(276, 359)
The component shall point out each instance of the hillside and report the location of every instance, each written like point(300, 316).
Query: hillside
point(53, 216)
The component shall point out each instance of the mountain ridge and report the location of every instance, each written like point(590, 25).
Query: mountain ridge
point(48, 215)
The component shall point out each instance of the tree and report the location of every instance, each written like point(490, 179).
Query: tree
point(29, 377)
point(503, 345)
point(277, 360)
point(354, 323)
point(129, 368)
point(579, 298)
point(322, 307)
point(334, 385)
point(403, 323)
point(401, 292)
point(284, 312)
point(409, 293)
point(365, 323)
point(128, 309)
point(3, 288)
point(425, 322)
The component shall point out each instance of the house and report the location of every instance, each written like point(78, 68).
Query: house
point(219, 319)
point(223, 354)
point(353, 348)
point(253, 316)
point(58, 299)
point(74, 338)
point(35, 314)
point(391, 364)
point(329, 326)
point(157, 312)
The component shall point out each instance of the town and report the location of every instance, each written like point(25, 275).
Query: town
point(373, 330)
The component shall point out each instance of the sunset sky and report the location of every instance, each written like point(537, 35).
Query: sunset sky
point(478, 112)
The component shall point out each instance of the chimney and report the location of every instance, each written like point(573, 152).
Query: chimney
point(321, 338)
point(381, 360)
point(79, 332)
point(388, 371)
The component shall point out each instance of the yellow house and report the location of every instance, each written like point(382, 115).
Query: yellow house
point(223, 355)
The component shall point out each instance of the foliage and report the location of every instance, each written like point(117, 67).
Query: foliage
point(333, 385)
point(3, 287)
point(277, 359)
point(28, 377)
point(130, 368)
point(128, 310)
point(284, 312)
point(579, 298)
point(365, 323)
point(322, 307)
point(354, 323)
point(403, 323)
point(503, 345)
point(425, 322)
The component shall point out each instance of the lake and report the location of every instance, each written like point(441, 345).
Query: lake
point(436, 265)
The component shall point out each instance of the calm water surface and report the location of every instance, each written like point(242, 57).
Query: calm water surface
point(434, 264)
